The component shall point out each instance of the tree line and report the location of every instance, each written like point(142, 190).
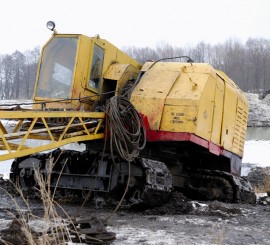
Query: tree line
point(247, 64)
point(18, 74)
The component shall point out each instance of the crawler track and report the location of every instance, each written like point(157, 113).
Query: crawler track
point(149, 182)
point(218, 185)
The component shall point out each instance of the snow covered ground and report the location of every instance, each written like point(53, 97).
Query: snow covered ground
point(259, 110)
point(5, 167)
point(257, 152)
point(257, 145)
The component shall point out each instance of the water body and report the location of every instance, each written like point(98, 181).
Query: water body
point(258, 133)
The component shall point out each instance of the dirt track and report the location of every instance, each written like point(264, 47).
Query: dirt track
point(178, 222)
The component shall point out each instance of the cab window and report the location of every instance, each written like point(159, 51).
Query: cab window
point(96, 68)
point(57, 68)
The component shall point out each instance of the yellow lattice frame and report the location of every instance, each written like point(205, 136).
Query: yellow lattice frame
point(80, 126)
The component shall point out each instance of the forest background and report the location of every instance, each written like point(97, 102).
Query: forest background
point(247, 64)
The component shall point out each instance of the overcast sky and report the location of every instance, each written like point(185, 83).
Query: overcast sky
point(137, 23)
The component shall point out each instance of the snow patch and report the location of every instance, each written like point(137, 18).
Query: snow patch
point(257, 153)
point(6, 165)
point(258, 115)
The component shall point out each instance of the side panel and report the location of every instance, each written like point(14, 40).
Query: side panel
point(240, 127)
point(206, 110)
point(218, 111)
point(230, 103)
point(150, 94)
point(179, 118)
point(181, 105)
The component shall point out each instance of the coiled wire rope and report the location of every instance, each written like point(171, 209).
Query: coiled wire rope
point(125, 127)
point(126, 131)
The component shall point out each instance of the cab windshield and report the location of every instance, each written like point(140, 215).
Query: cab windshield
point(57, 68)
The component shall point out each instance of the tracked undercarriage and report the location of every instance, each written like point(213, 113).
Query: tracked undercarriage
point(82, 172)
point(150, 182)
point(218, 185)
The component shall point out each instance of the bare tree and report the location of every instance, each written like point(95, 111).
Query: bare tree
point(8, 76)
point(18, 83)
point(258, 51)
point(30, 68)
point(247, 64)
point(1, 79)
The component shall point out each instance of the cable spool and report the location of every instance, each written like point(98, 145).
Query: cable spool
point(126, 128)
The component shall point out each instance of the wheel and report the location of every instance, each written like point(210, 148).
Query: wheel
point(26, 173)
point(27, 178)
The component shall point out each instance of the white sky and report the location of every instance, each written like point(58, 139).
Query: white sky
point(137, 23)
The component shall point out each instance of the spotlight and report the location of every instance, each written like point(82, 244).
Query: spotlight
point(51, 25)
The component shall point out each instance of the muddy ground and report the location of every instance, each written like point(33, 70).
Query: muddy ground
point(180, 221)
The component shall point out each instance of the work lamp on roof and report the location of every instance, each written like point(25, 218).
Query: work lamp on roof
point(50, 25)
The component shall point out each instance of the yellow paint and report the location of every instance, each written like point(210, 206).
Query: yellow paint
point(230, 102)
point(179, 118)
point(122, 73)
point(218, 111)
point(80, 87)
point(206, 108)
point(76, 130)
point(150, 94)
point(194, 98)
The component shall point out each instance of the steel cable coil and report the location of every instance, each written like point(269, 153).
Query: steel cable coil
point(125, 127)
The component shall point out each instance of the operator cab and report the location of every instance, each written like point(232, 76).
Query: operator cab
point(75, 70)
point(57, 68)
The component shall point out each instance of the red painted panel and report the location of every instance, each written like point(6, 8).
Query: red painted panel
point(199, 141)
point(153, 135)
point(157, 135)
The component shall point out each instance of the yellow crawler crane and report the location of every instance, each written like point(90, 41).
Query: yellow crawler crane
point(149, 128)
